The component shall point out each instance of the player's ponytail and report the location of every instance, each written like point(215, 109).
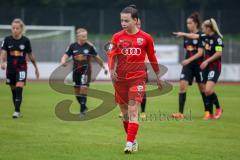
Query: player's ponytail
point(22, 25)
point(211, 23)
point(215, 27)
point(132, 9)
point(195, 16)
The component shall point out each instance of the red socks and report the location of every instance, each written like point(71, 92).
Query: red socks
point(132, 131)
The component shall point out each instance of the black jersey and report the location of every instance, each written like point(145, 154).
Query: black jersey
point(16, 49)
point(213, 44)
point(191, 46)
point(81, 55)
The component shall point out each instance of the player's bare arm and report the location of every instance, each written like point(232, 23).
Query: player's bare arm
point(101, 63)
point(33, 60)
point(188, 35)
point(3, 56)
point(64, 59)
point(210, 59)
point(194, 57)
point(113, 72)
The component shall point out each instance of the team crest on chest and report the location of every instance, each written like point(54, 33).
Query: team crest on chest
point(195, 41)
point(211, 41)
point(85, 51)
point(22, 47)
point(139, 41)
point(219, 41)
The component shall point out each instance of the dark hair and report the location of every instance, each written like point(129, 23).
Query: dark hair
point(195, 16)
point(132, 9)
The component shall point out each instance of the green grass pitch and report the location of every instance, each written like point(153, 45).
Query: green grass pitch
point(41, 135)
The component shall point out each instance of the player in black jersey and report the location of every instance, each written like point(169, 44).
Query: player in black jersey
point(191, 63)
point(82, 52)
point(213, 45)
point(16, 48)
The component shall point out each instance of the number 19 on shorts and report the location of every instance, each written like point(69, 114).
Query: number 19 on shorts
point(22, 75)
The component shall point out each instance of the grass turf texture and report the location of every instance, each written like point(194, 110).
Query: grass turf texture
point(41, 135)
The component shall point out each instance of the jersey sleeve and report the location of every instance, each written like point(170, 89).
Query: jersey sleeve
point(151, 54)
point(112, 51)
point(200, 43)
point(28, 48)
point(219, 44)
point(4, 44)
point(202, 37)
point(184, 45)
point(93, 51)
point(69, 51)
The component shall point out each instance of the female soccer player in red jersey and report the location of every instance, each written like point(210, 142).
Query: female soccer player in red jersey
point(128, 51)
point(16, 48)
point(213, 45)
point(144, 100)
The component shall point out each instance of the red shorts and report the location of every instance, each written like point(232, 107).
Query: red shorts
point(129, 90)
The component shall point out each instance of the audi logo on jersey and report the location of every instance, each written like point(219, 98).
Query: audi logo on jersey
point(131, 51)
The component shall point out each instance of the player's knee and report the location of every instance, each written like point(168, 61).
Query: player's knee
point(132, 103)
point(125, 117)
point(83, 89)
point(133, 117)
point(208, 91)
point(20, 84)
point(201, 88)
point(133, 113)
point(182, 88)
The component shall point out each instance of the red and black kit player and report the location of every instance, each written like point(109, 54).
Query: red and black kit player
point(213, 50)
point(191, 64)
point(126, 60)
point(16, 48)
point(82, 52)
point(213, 46)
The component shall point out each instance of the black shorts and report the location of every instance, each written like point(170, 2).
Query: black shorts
point(14, 77)
point(211, 75)
point(81, 79)
point(190, 72)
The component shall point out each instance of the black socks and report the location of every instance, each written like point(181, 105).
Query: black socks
point(82, 100)
point(143, 104)
point(13, 95)
point(215, 100)
point(204, 100)
point(18, 98)
point(182, 99)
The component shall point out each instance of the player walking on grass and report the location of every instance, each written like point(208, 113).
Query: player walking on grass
point(82, 52)
point(213, 43)
point(16, 48)
point(191, 64)
point(144, 100)
point(129, 49)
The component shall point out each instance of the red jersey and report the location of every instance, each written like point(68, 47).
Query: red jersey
point(130, 52)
